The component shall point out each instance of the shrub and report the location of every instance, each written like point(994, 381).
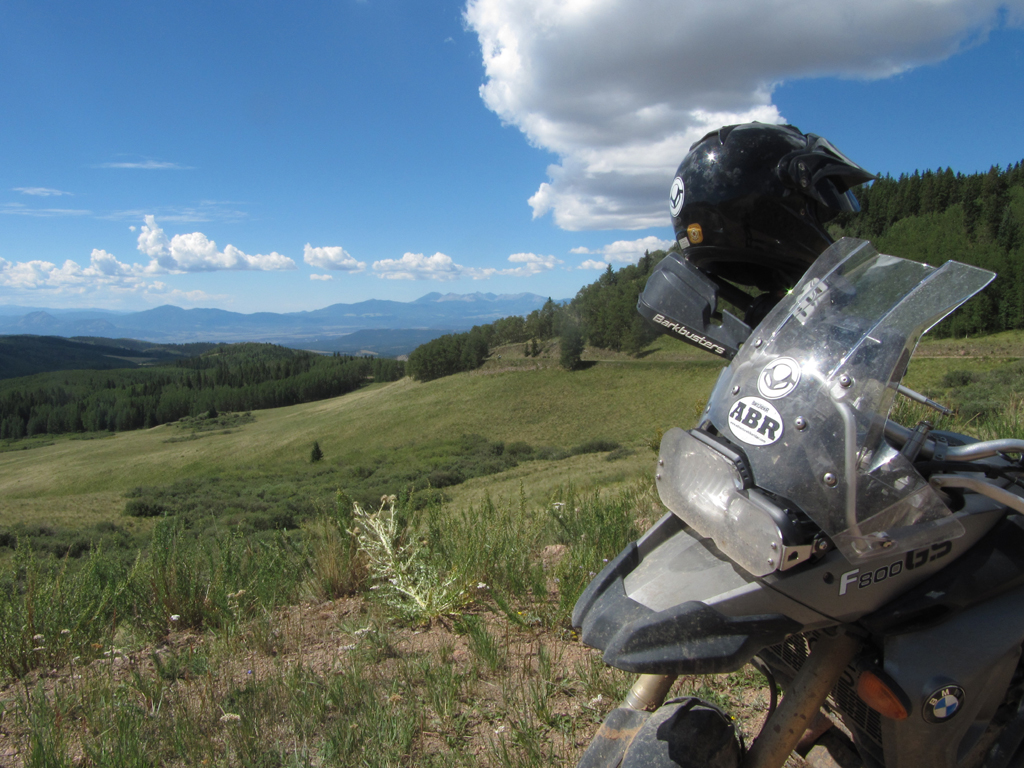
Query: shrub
point(594, 446)
point(144, 508)
point(409, 582)
point(572, 342)
point(519, 450)
point(958, 378)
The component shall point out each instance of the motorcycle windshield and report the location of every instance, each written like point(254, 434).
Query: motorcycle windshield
point(808, 395)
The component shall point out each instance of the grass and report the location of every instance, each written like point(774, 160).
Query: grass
point(216, 652)
point(76, 483)
point(240, 615)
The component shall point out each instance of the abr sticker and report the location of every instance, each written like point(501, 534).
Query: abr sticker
point(755, 421)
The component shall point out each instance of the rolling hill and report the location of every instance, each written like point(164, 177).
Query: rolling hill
point(76, 482)
point(28, 355)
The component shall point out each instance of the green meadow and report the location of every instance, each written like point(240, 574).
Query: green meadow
point(205, 593)
point(67, 481)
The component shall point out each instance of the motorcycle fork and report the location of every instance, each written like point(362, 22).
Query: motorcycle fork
point(648, 692)
point(803, 700)
point(796, 712)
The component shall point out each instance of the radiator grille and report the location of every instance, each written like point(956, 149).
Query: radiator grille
point(790, 655)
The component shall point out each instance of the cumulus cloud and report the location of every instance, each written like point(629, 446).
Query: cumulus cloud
point(104, 270)
point(332, 257)
point(195, 252)
point(104, 273)
point(416, 266)
point(620, 90)
point(529, 264)
point(622, 251)
point(321, 277)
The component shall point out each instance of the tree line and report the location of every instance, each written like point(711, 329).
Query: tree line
point(236, 377)
point(602, 314)
point(939, 215)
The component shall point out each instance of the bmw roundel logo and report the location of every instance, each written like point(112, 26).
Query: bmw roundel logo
point(676, 196)
point(943, 704)
point(778, 378)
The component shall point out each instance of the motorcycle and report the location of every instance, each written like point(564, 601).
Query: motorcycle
point(873, 571)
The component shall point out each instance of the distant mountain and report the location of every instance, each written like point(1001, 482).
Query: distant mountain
point(170, 324)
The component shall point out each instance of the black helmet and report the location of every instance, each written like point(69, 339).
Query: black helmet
point(749, 202)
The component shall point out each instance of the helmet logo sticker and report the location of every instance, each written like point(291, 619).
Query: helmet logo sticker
point(778, 378)
point(695, 234)
point(676, 196)
point(943, 704)
point(755, 422)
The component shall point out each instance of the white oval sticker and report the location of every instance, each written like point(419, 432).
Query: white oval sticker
point(676, 196)
point(778, 378)
point(755, 421)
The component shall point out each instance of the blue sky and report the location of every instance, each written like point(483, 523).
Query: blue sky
point(285, 156)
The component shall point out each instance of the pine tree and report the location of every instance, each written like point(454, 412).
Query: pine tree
point(316, 454)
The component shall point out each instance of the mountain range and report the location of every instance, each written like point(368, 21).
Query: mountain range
point(395, 323)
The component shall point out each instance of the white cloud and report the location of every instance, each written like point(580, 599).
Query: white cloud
point(152, 240)
point(103, 274)
point(332, 257)
point(416, 266)
point(530, 264)
point(206, 210)
point(147, 165)
point(20, 209)
point(106, 264)
point(620, 90)
point(321, 277)
point(40, 191)
point(622, 251)
point(195, 252)
point(103, 270)
point(180, 254)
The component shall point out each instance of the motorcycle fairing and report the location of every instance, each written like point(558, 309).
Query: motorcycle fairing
point(823, 368)
point(994, 629)
point(710, 620)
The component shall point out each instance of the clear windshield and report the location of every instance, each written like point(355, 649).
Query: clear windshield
point(808, 395)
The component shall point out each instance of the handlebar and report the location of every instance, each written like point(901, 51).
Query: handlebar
point(981, 450)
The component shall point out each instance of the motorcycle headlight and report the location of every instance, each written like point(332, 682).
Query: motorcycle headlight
point(706, 490)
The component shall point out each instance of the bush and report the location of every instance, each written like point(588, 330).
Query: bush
point(144, 508)
point(519, 450)
point(958, 378)
point(594, 446)
point(572, 347)
point(442, 478)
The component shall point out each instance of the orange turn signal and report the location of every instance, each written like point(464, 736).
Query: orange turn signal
point(880, 696)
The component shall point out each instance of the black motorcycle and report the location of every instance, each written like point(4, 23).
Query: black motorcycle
point(874, 572)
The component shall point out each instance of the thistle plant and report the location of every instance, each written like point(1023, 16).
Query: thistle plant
point(407, 580)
